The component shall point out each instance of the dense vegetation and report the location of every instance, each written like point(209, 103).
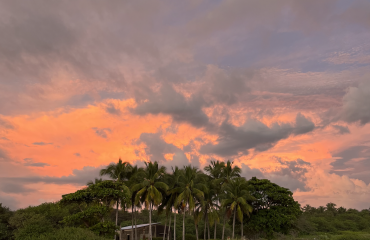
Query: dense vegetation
point(214, 204)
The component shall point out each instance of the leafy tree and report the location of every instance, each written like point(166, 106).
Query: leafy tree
point(188, 191)
point(235, 200)
point(118, 172)
point(5, 228)
point(95, 203)
point(274, 208)
point(151, 190)
point(39, 219)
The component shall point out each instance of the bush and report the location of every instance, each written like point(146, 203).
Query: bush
point(69, 233)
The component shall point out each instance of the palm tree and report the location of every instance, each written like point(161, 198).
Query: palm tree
point(168, 203)
point(189, 192)
point(118, 172)
point(174, 179)
point(152, 189)
point(222, 174)
point(135, 177)
point(215, 172)
point(209, 203)
point(235, 200)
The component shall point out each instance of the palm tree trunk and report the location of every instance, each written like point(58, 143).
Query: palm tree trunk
point(165, 225)
point(183, 225)
point(169, 226)
point(223, 228)
point(209, 232)
point(132, 222)
point(150, 222)
point(174, 226)
point(205, 225)
point(215, 230)
point(135, 224)
point(234, 222)
point(242, 230)
point(117, 213)
point(196, 231)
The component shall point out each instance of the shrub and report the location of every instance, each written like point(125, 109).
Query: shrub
point(69, 233)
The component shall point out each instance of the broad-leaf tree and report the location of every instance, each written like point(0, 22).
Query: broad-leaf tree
point(274, 208)
point(95, 204)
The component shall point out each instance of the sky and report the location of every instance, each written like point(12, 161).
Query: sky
point(282, 88)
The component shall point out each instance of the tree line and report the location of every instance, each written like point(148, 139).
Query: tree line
point(217, 194)
point(214, 203)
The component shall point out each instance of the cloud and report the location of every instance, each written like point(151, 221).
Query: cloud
point(356, 107)
point(112, 109)
point(77, 154)
point(168, 101)
point(5, 123)
point(290, 174)
point(254, 134)
point(156, 147)
point(9, 201)
point(14, 188)
point(102, 132)
point(41, 143)
point(29, 162)
point(341, 129)
point(79, 177)
point(353, 162)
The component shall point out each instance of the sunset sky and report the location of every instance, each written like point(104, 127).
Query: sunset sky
point(282, 88)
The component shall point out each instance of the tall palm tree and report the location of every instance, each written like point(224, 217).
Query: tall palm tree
point(118, 172)
point(235, 200)
point(209, 203)
point(216, 172)
point(222, 174)
point(152, 189)
point(174, 179)
point(229, 172)
point(135, 177)
point(168, 203)
point(189, 192)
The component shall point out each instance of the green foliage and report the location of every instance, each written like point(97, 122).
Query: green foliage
point(330, 219)
point(33, 221)
point(95, 206)
point(187, 237)
point(89, 212)
point(68, 233)
point(5, 228)
point(274, 208)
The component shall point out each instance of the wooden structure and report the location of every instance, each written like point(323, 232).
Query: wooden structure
point(142, 231)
